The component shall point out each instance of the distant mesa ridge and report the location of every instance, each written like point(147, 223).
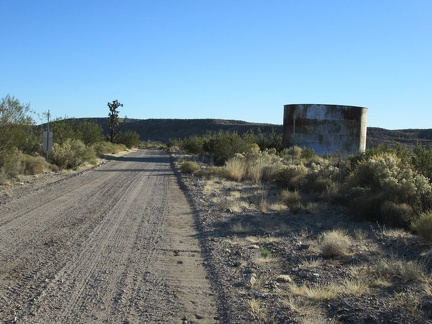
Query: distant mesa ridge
point(164, 129)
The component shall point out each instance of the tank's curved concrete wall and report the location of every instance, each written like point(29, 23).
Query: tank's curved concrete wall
point(326, 128)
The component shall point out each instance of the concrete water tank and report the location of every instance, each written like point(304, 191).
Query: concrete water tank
point(326, 129)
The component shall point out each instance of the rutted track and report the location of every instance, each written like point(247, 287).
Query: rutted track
point(98, 247)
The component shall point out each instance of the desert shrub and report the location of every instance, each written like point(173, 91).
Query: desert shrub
point(292, 153)
point(15, 124)
point(129, 139)
point(33, 165)
point(153, 145)
point(270, 140)
point(71, 154)
point(193, 145)
point(422, 161)
point(423, 225)
point(307, 153)
point(254, 165)
point(334, 244)
point(85, 130)
point(10, 164)
point(402, 152)
point(397, 214)
point(320, 177)
point(102, 148)
point(385, 178)
point(291, 177)
point(189, 167)
point(292, 199)
point(224, 145)
point(15, 163)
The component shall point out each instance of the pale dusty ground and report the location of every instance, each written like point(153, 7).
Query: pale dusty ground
point(113, 244)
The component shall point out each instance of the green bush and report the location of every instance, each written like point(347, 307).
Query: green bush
point(102, 148)
point(16, 163)
point(291, 154)
point(320, 177)
point(33, 165)
point(422, 161)
point(271, 140)
point(224, 145)
point(423, 225)
point(385, 178)
point(193, 145)
point(291, 177)
point(129, 139)
point(15, 125)
point(189, 167)
point(10, 164)
point(307, 153)
point(71, 154)
point(85, 130)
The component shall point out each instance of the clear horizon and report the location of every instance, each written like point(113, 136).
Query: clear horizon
point(237, 60)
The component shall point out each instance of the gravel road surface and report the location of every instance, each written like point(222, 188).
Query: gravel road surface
point(113, 244)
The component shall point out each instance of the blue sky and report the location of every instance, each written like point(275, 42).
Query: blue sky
point(228, 59)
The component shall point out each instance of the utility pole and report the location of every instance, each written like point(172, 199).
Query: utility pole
point(48, 136)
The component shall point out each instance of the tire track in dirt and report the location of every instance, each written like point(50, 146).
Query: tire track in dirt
point(94, 248)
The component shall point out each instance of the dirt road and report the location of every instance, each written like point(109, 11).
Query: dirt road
point(114, 244)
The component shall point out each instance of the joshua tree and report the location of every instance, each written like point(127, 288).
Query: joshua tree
point(114, 121)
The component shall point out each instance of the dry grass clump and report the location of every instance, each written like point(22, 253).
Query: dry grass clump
point(335, 243)
point(360, 234)
point(213, 172)
point(258, 311)
point(307, 309)
point(241, 228)
point(254, 165)
point(311, 263)
point(236, 168)
point(383, 271)
point(329, 291)
point(423, 225)
point(189, 167)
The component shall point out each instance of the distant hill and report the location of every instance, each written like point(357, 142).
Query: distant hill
point(164, 129)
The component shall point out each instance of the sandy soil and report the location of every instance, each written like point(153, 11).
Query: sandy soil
point(113, 244)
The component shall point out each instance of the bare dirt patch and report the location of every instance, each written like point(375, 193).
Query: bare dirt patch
point(315, 264)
